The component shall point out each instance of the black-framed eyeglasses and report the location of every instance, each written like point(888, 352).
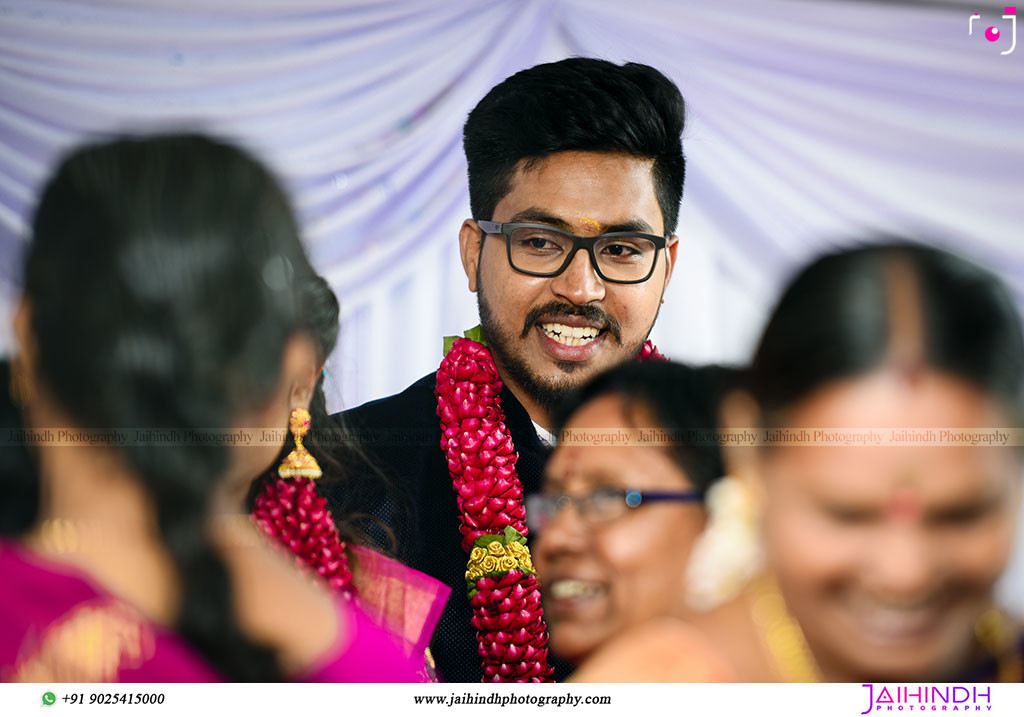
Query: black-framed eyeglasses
point(600, 506)
point(543, 250)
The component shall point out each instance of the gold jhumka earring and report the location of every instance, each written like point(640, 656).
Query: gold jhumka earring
point(299, 462)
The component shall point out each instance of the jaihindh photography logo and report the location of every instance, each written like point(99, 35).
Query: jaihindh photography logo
point(947, 698)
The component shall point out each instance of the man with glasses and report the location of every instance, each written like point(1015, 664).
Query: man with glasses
point(575, 176)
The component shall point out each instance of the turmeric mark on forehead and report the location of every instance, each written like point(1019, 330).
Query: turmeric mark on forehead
point(591, 223)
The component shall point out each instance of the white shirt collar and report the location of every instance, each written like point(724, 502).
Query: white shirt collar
point(546, 437)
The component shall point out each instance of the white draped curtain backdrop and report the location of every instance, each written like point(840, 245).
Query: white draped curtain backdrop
point(811, 123)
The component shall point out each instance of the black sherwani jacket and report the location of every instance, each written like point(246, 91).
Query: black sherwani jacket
point(401, 435)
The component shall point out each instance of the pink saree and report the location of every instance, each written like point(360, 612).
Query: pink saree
point(56, 625)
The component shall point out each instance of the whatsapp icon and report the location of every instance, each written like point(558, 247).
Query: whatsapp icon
point(49, 698)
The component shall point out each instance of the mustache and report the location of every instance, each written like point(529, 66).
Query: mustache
point(586, 311)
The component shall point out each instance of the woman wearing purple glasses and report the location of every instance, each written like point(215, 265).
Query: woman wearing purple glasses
point(622, 504)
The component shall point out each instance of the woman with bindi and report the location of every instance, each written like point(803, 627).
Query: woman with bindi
point(885, 526)
point(877, 524)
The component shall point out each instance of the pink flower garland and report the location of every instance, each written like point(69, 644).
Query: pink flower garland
point(289, 510)
point(507, 615)
point(649, 352)
point(507, 612)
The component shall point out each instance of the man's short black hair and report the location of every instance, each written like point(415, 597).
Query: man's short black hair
point(579, 104)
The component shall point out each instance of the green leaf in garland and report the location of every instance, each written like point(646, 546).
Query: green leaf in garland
point(476, 334)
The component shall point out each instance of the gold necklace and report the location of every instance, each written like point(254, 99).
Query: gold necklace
point(794, 662)
point(61, 536)
point(1000, 637)
point(780, 634)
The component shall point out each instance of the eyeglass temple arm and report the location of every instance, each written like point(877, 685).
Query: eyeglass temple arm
point(655, 496)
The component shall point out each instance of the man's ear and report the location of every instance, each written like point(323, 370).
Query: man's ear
point(470, 244)
point(301, 368)
point(670, 256)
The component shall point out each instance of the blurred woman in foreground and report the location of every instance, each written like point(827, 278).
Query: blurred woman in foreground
point(881, 553)
point(163, 312)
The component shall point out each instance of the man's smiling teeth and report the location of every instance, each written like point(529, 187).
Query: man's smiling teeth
point(572, 589)
point(570, 335)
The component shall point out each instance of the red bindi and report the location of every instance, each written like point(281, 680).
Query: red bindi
point(905, 506)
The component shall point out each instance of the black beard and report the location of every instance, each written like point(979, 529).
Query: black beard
point(546, 394)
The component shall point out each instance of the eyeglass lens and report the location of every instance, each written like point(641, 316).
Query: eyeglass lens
point(620, 258)
point(596, 507)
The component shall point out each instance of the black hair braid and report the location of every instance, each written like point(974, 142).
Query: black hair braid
point(179, 480)
point(162, 279)
point(19, 480)
point(206, 619)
